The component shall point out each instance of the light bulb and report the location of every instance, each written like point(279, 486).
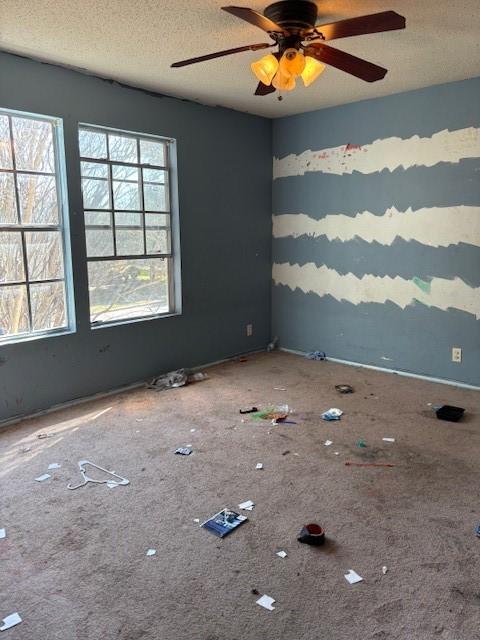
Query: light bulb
point(265, 68)
point(283, 83)
point(313, 68)
point(292, 63)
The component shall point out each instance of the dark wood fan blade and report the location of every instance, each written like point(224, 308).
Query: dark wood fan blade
point(373, 23)
point(345, 62)
point(255, 18)
point(264, 89)
point(219, 54)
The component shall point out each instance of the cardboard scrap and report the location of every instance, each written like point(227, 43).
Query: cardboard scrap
point(10, 621)
point(43, 477)
point(266, 602)
point(352, 577)
point(247, 505)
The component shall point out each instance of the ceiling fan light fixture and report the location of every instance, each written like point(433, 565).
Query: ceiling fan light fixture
point(282, 82)
point(313, 68)
point(265, 68)
point(292, 63)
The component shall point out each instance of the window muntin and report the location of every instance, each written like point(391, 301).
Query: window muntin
point(126, 197)
point(34, 296)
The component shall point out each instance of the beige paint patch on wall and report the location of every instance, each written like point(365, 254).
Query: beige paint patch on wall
point(389, 153)
point(323, 281)
point(432, 226)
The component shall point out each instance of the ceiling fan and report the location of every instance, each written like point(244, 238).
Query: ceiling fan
point(302, 51)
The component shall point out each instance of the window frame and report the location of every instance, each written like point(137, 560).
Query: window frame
point(63, 226)
point(173, 233)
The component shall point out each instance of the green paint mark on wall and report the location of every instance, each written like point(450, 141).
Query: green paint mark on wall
point(426, 287)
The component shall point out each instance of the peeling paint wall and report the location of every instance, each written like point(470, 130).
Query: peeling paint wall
point(376, 231)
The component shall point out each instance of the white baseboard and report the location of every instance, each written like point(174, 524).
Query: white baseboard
point(406, 374)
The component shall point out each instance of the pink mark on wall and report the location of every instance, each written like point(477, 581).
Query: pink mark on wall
point(353, 147)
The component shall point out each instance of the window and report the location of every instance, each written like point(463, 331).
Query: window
point(33, 290)
point(126, 185)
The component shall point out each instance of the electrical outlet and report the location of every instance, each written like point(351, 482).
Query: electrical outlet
point(456, 354)
point(249, 330)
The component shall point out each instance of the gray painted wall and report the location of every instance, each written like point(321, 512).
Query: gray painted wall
point(418, 337)
point(224, 167)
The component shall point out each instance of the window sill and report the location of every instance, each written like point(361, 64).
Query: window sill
point(116, 323)
point(37, 336)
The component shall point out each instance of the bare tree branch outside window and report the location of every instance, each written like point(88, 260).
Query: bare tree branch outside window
point(32, 272)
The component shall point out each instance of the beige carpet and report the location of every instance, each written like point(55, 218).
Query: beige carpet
point(74, 563)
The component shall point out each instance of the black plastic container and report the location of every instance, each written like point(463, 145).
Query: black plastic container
point(450, 413)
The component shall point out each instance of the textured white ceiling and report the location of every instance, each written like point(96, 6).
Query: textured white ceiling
point(134, 41)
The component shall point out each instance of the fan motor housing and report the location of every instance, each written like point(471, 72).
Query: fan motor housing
point(294, 15)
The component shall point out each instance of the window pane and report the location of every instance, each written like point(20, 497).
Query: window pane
point(94, 170)
point(99, 234)
point(155, 175)
point(123, 289)
point(11, 257)
point(48, 306)
point(8, 205)
point(38, 199)
point(33, 143)
point(120, 172)
point(157, 220)
point(155, 196)
point(44, 255)
point(122, 148)
point(96, 194)
point(126, 195)
point(157, 242)
point(13, 310)
point(5, 147)
point(92, 144)
point(129, 234)
point(152, 152)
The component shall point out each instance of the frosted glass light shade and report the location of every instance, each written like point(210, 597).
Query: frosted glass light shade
point(283, 83)
point(313, 68)
point(292, 63)
point(265, 68)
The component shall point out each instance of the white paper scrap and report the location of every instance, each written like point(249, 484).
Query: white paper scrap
point(282, 554)
point(247, 506)
point(259, 465)
point(3, 533)
point(10, 621)
point(45, 476)
point(196, 520)
point(279, 388)
point(352, 577)
point(328, 442)
point(151, 552)
point(337, 453)
point(192, 430)
point(384, 570)
point(54, 465)
point(266, 602)
point(388, 439)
